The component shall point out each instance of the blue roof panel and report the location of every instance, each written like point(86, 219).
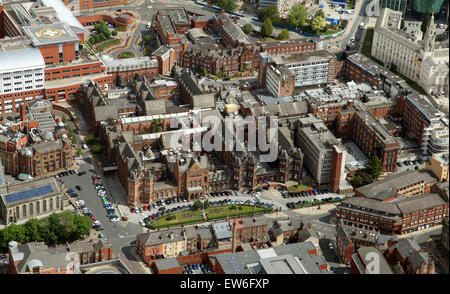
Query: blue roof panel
point(29, 193)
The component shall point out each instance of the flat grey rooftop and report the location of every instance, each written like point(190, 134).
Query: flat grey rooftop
point(50, 34)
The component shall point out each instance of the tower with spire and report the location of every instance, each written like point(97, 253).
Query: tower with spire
point(429, 38)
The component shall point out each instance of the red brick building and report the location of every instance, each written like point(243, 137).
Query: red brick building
point(400, 217)
point(288, 46)
point(92, 4)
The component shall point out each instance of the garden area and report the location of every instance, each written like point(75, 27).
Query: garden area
point(126, 54)
point(212, 212)
point(95, 144)
point(102, 37)
point(57, 228)
point(299, 188)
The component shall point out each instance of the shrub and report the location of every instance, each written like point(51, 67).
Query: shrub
point(114, 33)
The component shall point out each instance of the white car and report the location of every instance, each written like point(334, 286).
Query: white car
point(331, 246)
point(141, 222)
point(95, 223)
point(115, 219)
point(149, 25)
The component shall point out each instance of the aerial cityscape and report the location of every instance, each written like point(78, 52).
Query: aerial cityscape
point(224, 137)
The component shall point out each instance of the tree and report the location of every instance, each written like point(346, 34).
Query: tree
point(320, 13)
point(197, 205)
point(83, 225)
point(32, 230)
point(12, 233)
point(97, 148)
point(229, 5)
point(425, 22)
point(247, 28)
point(297, 16)
point(157, 125)
point(64, 119)
point(318, 23)
point(79, 152)
point(283, 35)
point(114, 33)
point(173, 71)
point(206, 204)
point(90, 139)
point(374, 167)
point(270, 11)
point(267, 28)
point(367, 178)
point(147, 39)
point(357, 181)
point(204, 72)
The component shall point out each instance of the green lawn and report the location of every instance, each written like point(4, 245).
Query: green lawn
point(102, 46)
point(121, 29)
point(213, 213)
point(125, 54)
point(184, 217)
point(295, 188)
point(218, 212)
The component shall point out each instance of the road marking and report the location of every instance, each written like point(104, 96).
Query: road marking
point(149, 6)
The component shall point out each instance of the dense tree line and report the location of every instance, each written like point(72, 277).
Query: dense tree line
point(57, 228)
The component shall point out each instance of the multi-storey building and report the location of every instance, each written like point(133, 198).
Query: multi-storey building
point(36, 144)
point(309, 69)
point(359, 262)
point(419, 59)
point(170, 24)
point(287, 46)
point(37, 258)
point(438, 164)
point(317, 142)
point(407, 214)
point(445, 235)
point(405, 184)
point(93, 4)
point(407, 257)
point(373, 139)
point(93, 251)
point(162, 244)
point(232, 34)
point(50, 28)
point(349, 239)
point(422, 119)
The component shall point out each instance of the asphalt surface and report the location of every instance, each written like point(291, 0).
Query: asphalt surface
point(118, 233)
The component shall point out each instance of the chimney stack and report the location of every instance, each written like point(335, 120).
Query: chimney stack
point(23, 112)
point(233, 241)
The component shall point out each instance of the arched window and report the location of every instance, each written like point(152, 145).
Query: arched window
point(57, 202)
point(24, 210)
point(51, 203)
point(44, 205)
point(17, 212)
point(38, 207)
point(31, 209)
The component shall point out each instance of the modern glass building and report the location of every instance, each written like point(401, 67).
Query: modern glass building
point(397, 5)
point(422, 6)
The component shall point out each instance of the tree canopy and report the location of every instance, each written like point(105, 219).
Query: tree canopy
point(229, 5)
point(57, 228)
point(267, 28)
point(271, 12)
point(374, 166)
point(318, 23)
point(283, 35)
point(297, 16)
point(247, 28)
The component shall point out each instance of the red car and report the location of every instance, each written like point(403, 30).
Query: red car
point(145, 208)
point(92, 218)
point(132, 210)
